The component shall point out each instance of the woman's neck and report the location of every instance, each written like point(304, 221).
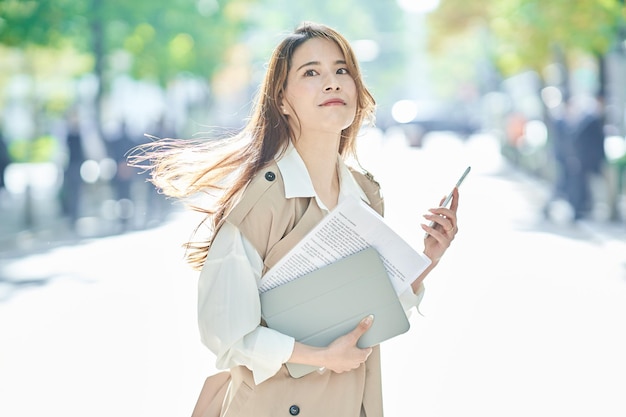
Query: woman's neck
point(320, 157)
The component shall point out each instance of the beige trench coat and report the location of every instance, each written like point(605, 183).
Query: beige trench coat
point(273, 224)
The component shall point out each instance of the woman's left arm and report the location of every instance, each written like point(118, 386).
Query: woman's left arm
point(439, 236)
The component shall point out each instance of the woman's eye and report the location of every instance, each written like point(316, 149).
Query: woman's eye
point(310, 73)
point(343, 71)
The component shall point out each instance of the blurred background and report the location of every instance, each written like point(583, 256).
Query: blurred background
point(81, 82)
point(531, 93)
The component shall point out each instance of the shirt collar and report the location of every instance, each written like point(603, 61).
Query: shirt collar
point(298, 182)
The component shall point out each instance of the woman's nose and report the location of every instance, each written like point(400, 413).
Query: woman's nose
point(332, 84)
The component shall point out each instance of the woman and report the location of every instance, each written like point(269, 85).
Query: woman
point(269, 186)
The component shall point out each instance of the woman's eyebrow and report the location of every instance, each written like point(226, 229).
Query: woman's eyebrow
point(313, 63)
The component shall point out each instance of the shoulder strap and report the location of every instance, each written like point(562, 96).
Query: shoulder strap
point(371, 188)
point(260, 183)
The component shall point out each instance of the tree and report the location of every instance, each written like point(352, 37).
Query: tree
point(525, 33)
point(161, 38)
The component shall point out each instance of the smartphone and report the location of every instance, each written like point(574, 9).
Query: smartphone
point(449, 196)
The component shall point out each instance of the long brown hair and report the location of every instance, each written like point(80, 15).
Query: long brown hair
point(223, 167)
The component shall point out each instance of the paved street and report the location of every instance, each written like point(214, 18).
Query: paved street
point(523, 317)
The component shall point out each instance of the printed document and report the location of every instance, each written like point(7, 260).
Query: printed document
point(349, 228)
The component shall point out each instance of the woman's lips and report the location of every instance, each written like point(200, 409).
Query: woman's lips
point(334, 102)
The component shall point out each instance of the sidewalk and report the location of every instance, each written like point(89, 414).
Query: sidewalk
point(522, 318)
point(610, 234)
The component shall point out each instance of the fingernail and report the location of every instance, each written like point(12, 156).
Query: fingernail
point(369, 319)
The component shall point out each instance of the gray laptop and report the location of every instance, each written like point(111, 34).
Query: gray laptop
point(329, 302)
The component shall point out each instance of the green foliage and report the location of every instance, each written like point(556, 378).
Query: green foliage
point(523, 33)
point(158, 39)
point(162, 37)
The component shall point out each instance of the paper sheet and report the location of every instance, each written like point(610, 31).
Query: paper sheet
point(351, 227)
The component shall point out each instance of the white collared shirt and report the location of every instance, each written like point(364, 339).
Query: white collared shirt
point(229, 309)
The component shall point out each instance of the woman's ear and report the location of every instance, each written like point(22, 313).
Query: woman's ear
point(284, 108)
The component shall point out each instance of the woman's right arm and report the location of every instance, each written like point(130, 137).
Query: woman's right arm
point(229, 310)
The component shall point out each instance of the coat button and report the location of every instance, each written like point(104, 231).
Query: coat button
point(294, 410)
point(270, 176)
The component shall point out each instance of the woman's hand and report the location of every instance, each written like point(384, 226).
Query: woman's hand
point(341, 355)
point(442, 233)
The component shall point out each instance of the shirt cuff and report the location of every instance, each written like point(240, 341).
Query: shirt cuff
point(409, 299)
point(271, 350)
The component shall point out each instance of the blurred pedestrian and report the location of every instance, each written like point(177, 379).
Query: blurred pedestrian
point(586, 131)
point(577, 133)
point(118, 146)
point(270, 185)
point(71, 191)
point(561, 151)
point(5, 160)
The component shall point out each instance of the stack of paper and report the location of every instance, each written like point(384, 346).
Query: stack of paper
point(351, 227)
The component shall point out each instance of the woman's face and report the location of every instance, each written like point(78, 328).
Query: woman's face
point(320, 94)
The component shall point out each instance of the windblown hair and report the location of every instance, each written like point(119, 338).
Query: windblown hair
point(222, 167)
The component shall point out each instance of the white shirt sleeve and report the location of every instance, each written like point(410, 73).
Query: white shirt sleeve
point(229, 309)
point(409, 299)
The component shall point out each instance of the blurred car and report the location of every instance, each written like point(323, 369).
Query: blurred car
point(419, 117)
